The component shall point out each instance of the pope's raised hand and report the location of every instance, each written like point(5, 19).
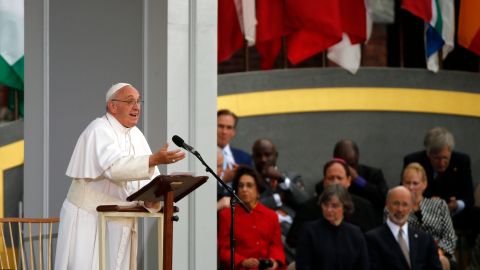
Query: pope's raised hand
point(164, 156)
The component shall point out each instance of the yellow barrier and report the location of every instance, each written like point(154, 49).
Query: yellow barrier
point(351, 99)
point(11, 155)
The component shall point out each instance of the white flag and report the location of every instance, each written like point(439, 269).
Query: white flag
point(11, 43)
point(348, 55)
point(247, 18)
point(345, 54)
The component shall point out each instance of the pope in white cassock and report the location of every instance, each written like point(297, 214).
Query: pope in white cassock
point(109, 162)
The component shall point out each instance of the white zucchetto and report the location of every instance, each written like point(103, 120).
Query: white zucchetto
point(114, 89)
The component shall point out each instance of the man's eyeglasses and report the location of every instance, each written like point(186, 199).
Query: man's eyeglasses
point(130, 102)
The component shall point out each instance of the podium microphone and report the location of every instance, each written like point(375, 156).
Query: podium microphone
point(234, 198)
point(181, 143)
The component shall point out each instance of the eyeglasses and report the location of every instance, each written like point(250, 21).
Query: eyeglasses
point(130, 102)
point(247, 185)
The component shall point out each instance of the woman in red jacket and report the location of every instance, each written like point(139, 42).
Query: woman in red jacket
point(257, 233)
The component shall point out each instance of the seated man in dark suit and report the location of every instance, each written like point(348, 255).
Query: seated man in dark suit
point(397, 246)
point(475, 256)
point(232, 157)
point(335, 172)
point(449, 173)
point(284, 190)
point(367, 182)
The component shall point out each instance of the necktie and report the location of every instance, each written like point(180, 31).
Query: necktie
point(403, 245)
point(225, 159)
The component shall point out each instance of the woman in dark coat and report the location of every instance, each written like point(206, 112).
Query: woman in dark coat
point(330, 242)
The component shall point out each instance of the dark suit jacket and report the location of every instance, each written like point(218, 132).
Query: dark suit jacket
point(363, 216)
point(385, 253)
point(375, 190)
point(455, 181)
point(291, 198)
point(241, 157)
point(324, 246)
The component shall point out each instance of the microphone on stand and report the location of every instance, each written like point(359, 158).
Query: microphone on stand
point(181, 143)
point(234, 198)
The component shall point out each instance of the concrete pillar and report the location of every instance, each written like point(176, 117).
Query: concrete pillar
point(74, 50)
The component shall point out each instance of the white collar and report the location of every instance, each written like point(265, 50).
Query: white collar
point(228, 159)
point(229, 153)
point(227, 148)
point(116, 125)
point(394, 228)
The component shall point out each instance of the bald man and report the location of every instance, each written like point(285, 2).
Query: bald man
point(397, 246)
point(284, 189)
point(367, 182)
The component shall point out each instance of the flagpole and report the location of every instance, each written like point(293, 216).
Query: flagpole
point(246, 55)
point(15, 93)
point(284, 52)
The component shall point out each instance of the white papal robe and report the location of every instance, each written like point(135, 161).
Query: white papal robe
point(106, 165)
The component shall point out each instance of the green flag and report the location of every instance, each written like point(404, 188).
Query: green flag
point(12, 47)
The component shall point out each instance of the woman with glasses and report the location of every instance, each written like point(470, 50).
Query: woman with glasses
point(430, 214)
point(330, 242)
point(257, 234)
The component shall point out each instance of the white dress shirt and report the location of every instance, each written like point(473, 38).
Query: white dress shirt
point(394, 228)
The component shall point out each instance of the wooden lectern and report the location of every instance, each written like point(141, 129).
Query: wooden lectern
point(167, 188)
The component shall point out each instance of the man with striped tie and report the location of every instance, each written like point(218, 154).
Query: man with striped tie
point(395, 245)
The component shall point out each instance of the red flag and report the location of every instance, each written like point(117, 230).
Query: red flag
point(230, 38)
point(354, 20)
point(270, 30)
point(419, 8)
point(316, 25)
point(347, 53)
